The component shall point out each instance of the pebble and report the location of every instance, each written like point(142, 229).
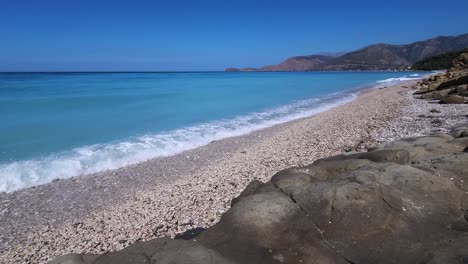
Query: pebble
point(200, 197)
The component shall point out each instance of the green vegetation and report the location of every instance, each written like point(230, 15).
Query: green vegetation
point(439, 62)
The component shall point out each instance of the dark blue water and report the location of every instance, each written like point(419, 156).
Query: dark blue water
point(61, 125)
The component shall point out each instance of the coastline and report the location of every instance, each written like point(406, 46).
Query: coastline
point(169, 195)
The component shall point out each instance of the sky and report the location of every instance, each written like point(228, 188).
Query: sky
point(83, 35)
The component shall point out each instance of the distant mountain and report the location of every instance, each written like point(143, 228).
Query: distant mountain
point(298, 63)
point(374, 57)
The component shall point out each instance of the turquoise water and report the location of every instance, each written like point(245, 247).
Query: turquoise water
point(65, 124)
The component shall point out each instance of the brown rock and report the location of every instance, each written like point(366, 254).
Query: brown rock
point(452, 99)
point(461, 88)
point(436, 95)
point(402, 202)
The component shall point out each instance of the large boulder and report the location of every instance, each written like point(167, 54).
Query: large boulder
point(436, 95)
point(401, 202)
point(459, 89)
point(452, 99)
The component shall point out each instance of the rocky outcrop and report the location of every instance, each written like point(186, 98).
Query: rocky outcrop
point(401, 202)
point(374, 57)
point(450, 87)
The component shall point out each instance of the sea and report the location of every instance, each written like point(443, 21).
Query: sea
point(60, 125)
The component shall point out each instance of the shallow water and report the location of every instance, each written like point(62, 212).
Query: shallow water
point(58, 125)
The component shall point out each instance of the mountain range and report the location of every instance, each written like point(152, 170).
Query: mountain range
point(374, 57)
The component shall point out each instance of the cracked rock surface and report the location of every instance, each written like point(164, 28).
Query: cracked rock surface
point(401, 202)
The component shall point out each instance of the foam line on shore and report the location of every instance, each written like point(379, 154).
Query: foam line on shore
point(100, 157)
point(393, 81)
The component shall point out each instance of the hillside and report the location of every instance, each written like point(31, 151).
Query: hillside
point(298, 63)
point(374, 57)
point(440, 62)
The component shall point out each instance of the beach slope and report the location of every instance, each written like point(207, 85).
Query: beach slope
point(167, 196)
point(401, 202)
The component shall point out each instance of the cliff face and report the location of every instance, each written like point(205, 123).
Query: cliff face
point(376, 57)
point(401, 202)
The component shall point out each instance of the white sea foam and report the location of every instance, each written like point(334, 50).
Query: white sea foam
point(392, 81)
point(100, 157)
point(395, 80)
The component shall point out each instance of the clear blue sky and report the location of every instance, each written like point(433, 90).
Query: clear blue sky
point(84, 35)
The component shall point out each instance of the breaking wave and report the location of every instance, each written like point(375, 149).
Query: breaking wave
point(100, 157)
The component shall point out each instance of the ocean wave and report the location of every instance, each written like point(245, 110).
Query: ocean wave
point(395, 80)
point(101, 157)
point(391, 81)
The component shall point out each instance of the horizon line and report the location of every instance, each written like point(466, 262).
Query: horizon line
point(63, 72)
point(108, 71)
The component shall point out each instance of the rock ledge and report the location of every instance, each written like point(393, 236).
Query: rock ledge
point(401, 202)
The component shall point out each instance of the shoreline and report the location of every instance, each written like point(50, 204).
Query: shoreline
point(352, 92)
point(44, 169)
point(165, 196)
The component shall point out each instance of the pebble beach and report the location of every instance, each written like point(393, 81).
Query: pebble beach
point(166, 196)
